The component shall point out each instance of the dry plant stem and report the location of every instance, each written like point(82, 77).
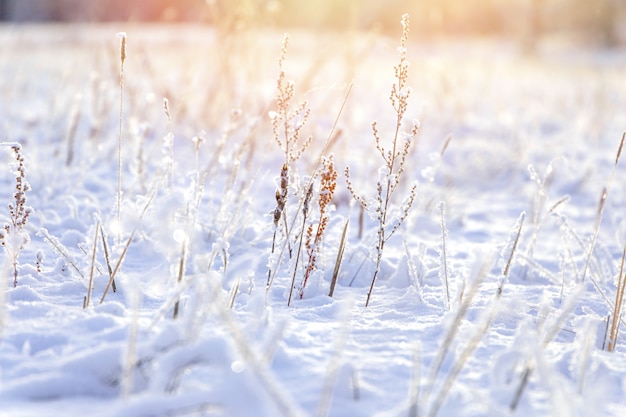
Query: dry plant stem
point(93, 264)
point(117, 265)
point(183, 260)
point(71, 134)
point(361, 221)
point(606, 331)
point(122, 36)
point(105, 247)
point(305, 212)
point(233, 294)
point(340, 251)
point(507, 267)
point(279, 213)
point(520, 389)
point(181, 272)
point(602, 205)
point(394, 159)
point(446, 143)
point(617, 309)
point(600, 211)
point(295, 268)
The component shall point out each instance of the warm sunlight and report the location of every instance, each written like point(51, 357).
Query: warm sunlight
point(527, 19)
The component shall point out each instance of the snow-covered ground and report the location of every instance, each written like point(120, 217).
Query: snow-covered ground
point(512, 320)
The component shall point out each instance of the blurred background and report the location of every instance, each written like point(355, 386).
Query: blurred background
point(600, 22)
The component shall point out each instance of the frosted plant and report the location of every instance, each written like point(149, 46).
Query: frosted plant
point(314, 235)
point(13, 238)
point(287, 124)
point(394, 162)
point(118, 199)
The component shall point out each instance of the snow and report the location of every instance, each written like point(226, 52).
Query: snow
point(502, 322)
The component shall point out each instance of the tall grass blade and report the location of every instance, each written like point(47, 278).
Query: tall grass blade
point(342, 247)
point(93, 265)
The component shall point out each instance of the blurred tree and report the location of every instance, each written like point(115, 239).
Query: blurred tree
point(535, 27)
point(608, 18)
point(601, 20)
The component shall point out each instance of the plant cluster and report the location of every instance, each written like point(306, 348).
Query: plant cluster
point(287, 125)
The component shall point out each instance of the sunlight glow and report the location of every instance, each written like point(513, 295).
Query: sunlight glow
point(179, 235)
point(237, 367)
point(115, 227)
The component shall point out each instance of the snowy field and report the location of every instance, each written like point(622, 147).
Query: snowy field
point(497, 288)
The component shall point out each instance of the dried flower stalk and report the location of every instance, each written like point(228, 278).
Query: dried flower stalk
point(328, 184)
point(394, 161)
point(13, 238)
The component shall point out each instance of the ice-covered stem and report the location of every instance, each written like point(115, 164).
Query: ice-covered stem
point(394, 160)
point(443, 255)
point(168, 142)
point(480, 272)
point(328, 183)
point(509, 251)
point(601, 207)
point(281, 201)
point(122, 36)
point(305, 213)
point(12, 236)
point(617, 307)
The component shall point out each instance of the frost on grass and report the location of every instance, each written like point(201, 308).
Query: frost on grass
point(234, 338)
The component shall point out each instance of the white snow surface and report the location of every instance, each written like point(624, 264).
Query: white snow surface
point(525, 337)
